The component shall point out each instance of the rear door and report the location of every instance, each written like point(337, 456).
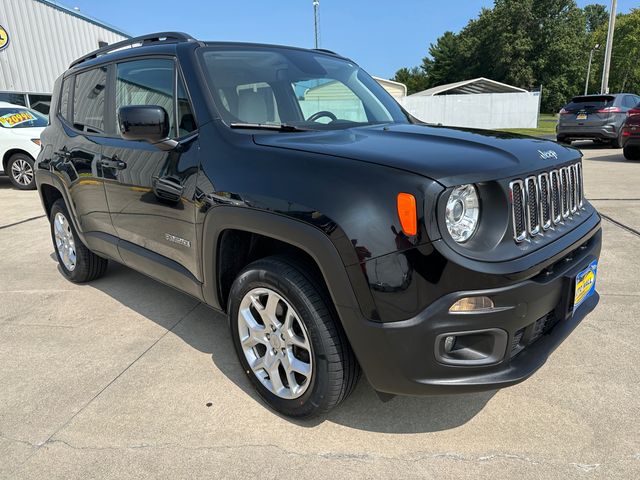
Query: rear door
point(588, 111)
point(150, 191)
point(77, 153)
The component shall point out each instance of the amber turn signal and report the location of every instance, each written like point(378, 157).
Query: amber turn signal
point(407, 213)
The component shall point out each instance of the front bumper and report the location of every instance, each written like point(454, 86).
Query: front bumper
point(536, 314)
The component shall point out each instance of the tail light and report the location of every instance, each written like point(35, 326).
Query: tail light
point(626, 132)
point(633, 112)
point(564, 112)
point(610, 110)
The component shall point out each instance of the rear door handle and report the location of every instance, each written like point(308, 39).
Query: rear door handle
point(113, 163)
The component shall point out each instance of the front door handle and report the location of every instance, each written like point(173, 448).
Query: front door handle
point(113, 163)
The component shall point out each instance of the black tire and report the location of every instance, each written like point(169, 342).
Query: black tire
point(631, 152)
point(21, 173)
point(335, 368)
point(88, 265)
point(617, 142)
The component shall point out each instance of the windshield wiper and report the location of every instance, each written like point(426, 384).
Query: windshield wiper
point(280, 127)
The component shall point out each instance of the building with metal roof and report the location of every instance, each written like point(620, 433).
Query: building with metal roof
point(38, 41)
point(473, 86)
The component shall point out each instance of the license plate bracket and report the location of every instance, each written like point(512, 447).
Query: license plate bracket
point(585, 284)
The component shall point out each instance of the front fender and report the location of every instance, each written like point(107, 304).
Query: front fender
point(308, 238)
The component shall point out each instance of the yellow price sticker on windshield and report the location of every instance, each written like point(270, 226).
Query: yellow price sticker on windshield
point(12, 119)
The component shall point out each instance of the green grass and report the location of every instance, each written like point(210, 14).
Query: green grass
point(546, 126)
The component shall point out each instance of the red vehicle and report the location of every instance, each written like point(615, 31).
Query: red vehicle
point(631, 134)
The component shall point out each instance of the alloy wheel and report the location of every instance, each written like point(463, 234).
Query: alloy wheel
point(22, 172)
point(65, 244)
point(275, 343)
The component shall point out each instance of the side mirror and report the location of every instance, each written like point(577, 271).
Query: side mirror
point(144, 122)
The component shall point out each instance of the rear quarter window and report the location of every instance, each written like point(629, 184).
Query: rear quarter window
point(65, 95)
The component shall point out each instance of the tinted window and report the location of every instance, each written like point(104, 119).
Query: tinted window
point(146, 82)
point(21, 118)
point(591, 103)
point(40, 103)
point(88, 100)
point(64, 98)
point(15, 98)
point(629, 101)
point(186, 120)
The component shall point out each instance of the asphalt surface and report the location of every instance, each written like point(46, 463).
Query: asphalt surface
point(127, 378)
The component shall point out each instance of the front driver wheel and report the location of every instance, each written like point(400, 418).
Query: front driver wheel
point(288, 338)
point(21, 172)
point(77, 262)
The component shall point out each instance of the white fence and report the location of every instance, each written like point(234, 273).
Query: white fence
point(483, 110)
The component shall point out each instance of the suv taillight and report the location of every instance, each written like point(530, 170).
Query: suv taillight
point(610, 110)
point(564, 112)
point(633, 112)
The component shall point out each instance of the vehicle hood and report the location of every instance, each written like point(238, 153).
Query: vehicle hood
point(26, 132)
point(452, 156)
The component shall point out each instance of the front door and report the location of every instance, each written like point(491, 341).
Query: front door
point(150, 190)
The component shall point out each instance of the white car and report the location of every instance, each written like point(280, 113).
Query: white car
point(20, 130)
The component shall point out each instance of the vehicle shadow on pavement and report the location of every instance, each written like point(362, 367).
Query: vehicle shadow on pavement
point(207, 331)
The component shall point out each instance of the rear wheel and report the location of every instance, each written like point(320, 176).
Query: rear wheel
point(288, 338)
point(21, 172)
point(617, 142)
point(631, 152)
point(77, 262)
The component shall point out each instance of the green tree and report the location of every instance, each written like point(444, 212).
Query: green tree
point(414, 78)
point(596, 16)
point(526, 43)
point(443, 63)
point(624, 75)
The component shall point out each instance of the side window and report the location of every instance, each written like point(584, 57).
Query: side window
point(186, 120)
point(64, 98)
point(88, 100)
point(629, 101)
point(147, 82)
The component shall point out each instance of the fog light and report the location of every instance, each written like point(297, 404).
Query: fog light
point(471, 305)
point(449, 343)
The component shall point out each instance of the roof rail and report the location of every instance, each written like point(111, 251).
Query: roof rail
point(161, 37)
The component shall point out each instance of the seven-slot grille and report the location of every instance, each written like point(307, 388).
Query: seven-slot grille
point(541, 201)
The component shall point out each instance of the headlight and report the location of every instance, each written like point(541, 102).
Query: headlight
point(462, 213)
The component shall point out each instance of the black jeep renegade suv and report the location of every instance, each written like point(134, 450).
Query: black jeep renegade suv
point(286, 188)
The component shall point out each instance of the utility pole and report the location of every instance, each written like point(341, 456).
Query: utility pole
point(586, 83)
point(316, 21)
point(604, 88)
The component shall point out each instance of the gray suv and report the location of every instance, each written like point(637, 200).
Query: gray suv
point(595, 117)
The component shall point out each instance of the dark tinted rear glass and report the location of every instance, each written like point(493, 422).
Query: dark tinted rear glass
point(88, 100)
point(595, 102)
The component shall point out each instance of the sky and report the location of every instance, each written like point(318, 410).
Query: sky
point(381, 36)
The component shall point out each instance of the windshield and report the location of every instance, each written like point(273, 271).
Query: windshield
point(275, 86)
point(18, 117)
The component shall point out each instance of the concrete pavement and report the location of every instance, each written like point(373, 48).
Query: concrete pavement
point(127, 378)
